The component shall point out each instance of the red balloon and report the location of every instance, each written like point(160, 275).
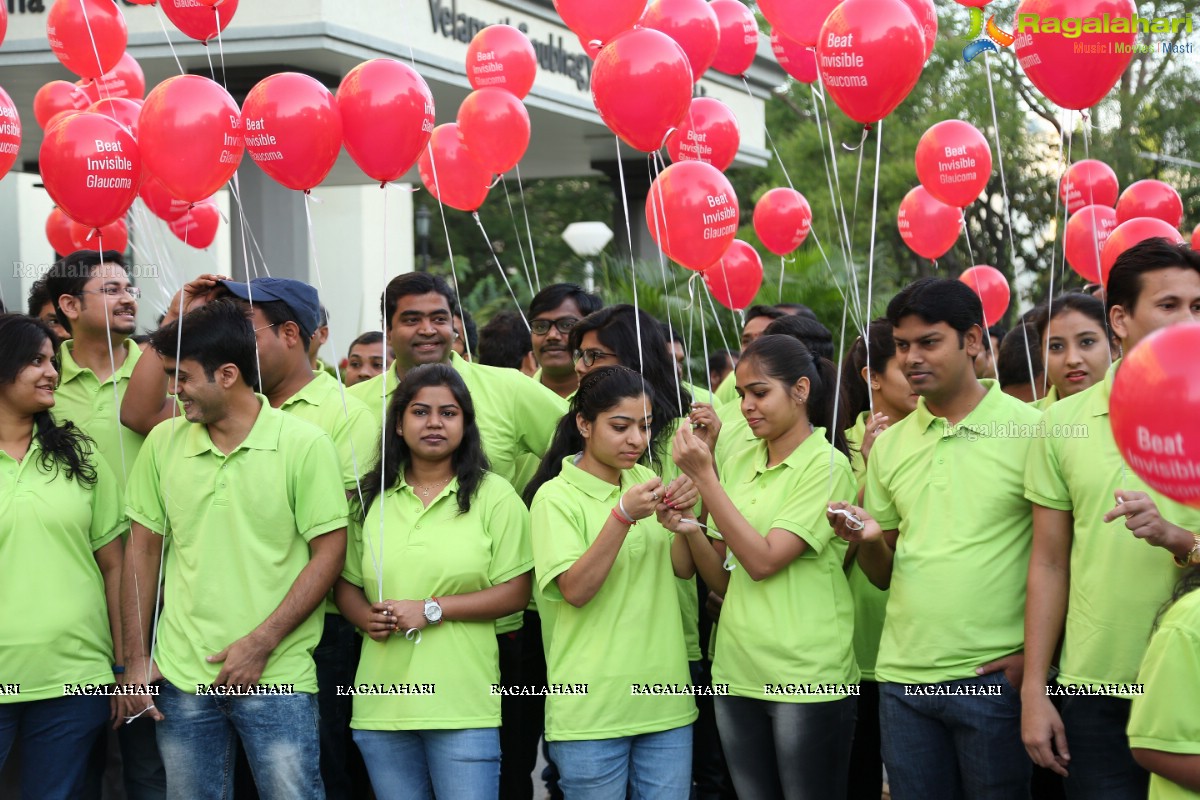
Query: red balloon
point(56, 97)
point(642, 87)
point(1088, 183)
point(954, 162)
point(692, 213)
point(1129, 233)
point(121, 109)
point(870, 56)
point(293, 129)
point(3, 22)
point(1074, 71)
point(501, 56)
point(797, 60)
point(1196, 238)
point(992, 287)
point(708, 133)
point(494, 126)
point(199, 22)
point(57, 118)
point(925, 14)
point(591, 20)
point(1155, 411)
point(1151, 198)
point(387, 117)
point(800, 21)
point(1087, 231)
point(738, 37)
point(735, 280)
point(113, 236)
point(693, 26)
point(58, 232)
point(191, 136)
point(782, 220)
point(10, 133)
point(927, 225)
point(91, 167)
point(126, 79)
point(159, 200)
point(450, 173)
point(973, 3)
point(198, 226)
point(78, 40)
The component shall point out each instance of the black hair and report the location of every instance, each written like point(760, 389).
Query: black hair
point(617, 329)
point(368, 338)
point(469, 461)
point(599, 391)
point(278, 312)
point(719, 360)
point(63, 445)
point(1125, 279)
point(413, 283)
point(505, 341)
point(787, 360)
point(878, 348)
point(1072, 301)
point(997, 331)
point(39, 296)
point(219, 332)
point(470, 332)
point(556, 294)
point(937, 300)
point(770, 312)
point(1015, 356)
point(671, 334)
point(798, 309)
point(816, 337)
point(71, 273)
point(1188, 583)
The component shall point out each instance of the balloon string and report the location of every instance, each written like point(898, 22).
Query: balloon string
point(500, 268)
point(637, 317)
point(837, 389)
point(166, 35)
point(1012, 253)
point(528, 230)
point(449, 247)
point(861, 149)
point(520, 244)
point(781, 270)
point(770, 138)
point(653, 163)
point(844, 229)
point(101, 84)
point(377, 558)
point(870, 262)
point(829, 174)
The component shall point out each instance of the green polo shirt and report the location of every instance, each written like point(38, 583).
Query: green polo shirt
point(436, 552)
point(956, 496)
point(1167, 716)
point(92, 406)
point(736, 434)
point(795, 627)
point(628, 634)
point(1051, 397)
point(239, 527)
point(870, 602)
point(54, 625)
point(1118, 582)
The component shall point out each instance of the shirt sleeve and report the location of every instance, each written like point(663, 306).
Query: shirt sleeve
point(536, 412)
point(1045, 483)
point(318, 494)
point(508, 528)
point(805, 497)
point(352, 569)
point(1167, 716)
point(356, 441)
point(144, 502)
point(557, 532)
point(108, 519)
point(877, 497)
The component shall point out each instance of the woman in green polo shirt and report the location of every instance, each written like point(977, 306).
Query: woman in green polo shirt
point(784, 646)
point(1075, 344)
point(443, 552)
point(60, 572)
point(1164, 724)
point(606, 569)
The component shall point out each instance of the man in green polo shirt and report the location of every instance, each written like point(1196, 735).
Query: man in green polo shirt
point(1091, 582)
point(950, 534)
point(552, 313)
point(253, 502)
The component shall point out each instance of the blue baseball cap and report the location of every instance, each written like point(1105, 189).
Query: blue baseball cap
point(298, 296)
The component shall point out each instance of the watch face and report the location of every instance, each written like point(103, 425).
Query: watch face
point(433, 612)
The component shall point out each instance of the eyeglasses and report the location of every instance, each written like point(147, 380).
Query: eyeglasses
point(589, 356)
point(542, 326)
point(115, 291)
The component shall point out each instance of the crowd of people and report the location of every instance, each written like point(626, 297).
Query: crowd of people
point(406, 575)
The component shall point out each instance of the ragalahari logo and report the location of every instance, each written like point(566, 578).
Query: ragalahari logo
point(989, 39)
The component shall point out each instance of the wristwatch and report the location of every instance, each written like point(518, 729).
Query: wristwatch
point(1191, 556)
point(433, 611)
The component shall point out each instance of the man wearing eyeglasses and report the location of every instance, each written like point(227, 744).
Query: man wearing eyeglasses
point(552, 313)
point(94, 300)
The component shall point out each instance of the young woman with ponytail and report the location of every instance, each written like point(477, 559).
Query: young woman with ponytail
point(606, 556)
point(784, 644)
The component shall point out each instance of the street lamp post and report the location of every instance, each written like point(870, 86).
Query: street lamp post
point(587, 240)
point(423, 217)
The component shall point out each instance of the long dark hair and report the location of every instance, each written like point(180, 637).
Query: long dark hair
point(1188, 583)
point(878, 348)
point(468, 461)
point(63, 446)
point(787, 360)
point(617, 329)
point(599, 391)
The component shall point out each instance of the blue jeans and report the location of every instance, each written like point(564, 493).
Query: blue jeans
point(279, 733)
point(954, 747)
point(419, 765)
point(652, 766)
point(1102, 765)
point(56, 737)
